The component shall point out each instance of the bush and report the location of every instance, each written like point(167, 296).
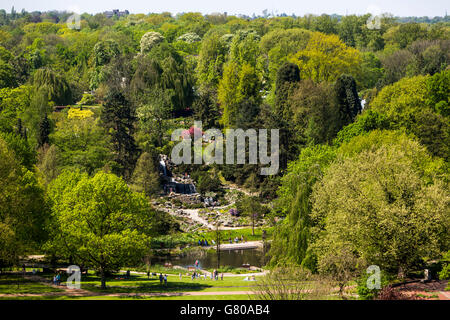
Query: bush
point(444, 274)
point(369, 294)
point(87, 99)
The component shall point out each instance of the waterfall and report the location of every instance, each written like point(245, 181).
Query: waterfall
point(163, 165)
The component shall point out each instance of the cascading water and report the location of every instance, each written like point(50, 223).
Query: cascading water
point(163, 166)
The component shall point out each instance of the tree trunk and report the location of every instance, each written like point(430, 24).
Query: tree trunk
point(103, 278)
point(253, 224)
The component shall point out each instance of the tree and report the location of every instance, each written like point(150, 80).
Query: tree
point(289, 282)
point(7, 78)
point(145, 177)
point(118, 118)
point(100, 222)
point(326, 57)
point(384, 201)
point(23, 152)
point(205, 107)
point(241, 76)
point(164, 69)
point(56, 86)
point(211, 58)
point(291, 241)
point(153, 111)
point(348, 103)
point(278, 45)
point(412, 104)
point(405, 34)
point(23, 211)
point(82, 143)
point(104, 51)
point(48, 163)
point(44, 131)
point(251, 207)
point(288, 77)
point(149, 40)
point(314, 114)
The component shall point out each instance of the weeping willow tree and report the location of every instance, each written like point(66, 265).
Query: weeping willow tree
point(292, 237)
point(164, 69)
point(57, 87)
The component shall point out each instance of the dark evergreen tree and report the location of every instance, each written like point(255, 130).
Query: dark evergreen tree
point(347, 98)
point(118, 118)
point(287, 77)
point(19, 128)
point(206, 108)
point(247, 114)
point(44, 131)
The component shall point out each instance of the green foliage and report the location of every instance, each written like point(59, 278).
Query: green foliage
point(364, 199)
point(364, 292)
point(104, 51)
point(150, 40)
point(57, 88)
point(145, 176)
point(23, 211)
point(349, 105)
point(207, 182)
point(22, 150)
point(444, 274)
point(438, 92)
point(118, 119)
point(99, 222)
point(325, 58)
point(81, 143)
point(211, 58)
point(364, 123)
point(409, 104)
point(87, 99)
point(292, 236)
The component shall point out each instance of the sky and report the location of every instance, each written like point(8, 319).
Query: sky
point(403, 8)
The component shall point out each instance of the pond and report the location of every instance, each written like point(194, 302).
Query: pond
point(208, 259)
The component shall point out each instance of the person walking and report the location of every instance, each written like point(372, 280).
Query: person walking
point(165, 279)
point(160, 278)
point(221, 276)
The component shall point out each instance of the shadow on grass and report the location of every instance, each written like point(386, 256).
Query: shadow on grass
point(149, 286)
point(16, 284)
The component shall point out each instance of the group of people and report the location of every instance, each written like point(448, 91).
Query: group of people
point(162, 278)
point(57, 279)
point(204, 242)
point(197, 275)
point(237, 239)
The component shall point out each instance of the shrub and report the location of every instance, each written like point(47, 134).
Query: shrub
point(369, 294)
point(87, 99)
point(444, 274)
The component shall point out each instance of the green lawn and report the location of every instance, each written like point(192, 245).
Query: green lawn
point(140, 284)
point(137, 284)
point(16, 284)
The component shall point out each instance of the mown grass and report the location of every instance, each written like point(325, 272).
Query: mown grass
point(16, 284)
